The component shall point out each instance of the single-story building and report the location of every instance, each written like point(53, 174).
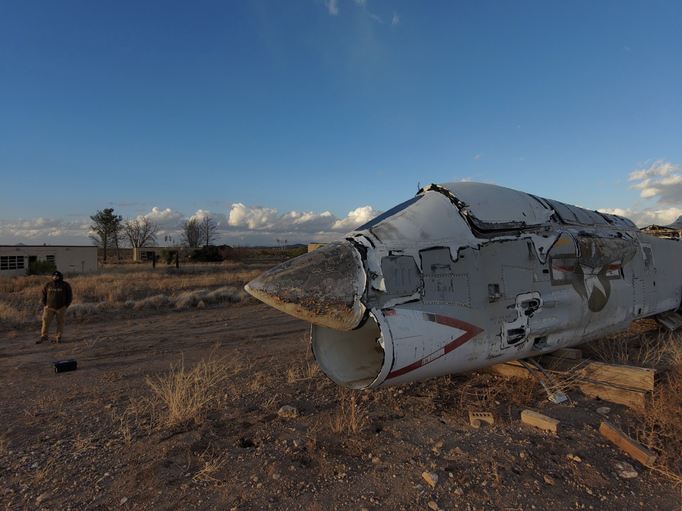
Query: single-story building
point(14, 259)
point(148, 254)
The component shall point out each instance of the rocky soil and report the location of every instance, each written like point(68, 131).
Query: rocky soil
point(278, 435)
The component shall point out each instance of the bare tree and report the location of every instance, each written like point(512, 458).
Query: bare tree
point(106, 229)
point(140, 232)
point(192, 234)
point(209, 231)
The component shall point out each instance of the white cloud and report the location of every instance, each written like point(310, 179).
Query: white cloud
point(252, 217)
point(355, 218)
point(644, 217)
point(37, 231)
point(333, 7)
point(165, 219)
point(662, 179)
point(245, 225)
point(396, 20)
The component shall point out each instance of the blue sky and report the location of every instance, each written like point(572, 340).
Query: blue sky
point(302, 119)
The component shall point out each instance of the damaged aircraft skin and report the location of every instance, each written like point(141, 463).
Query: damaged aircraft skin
point(467, 275)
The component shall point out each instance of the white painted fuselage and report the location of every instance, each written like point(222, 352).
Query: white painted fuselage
point(467, 275)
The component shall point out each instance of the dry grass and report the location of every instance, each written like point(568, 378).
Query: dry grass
point(641, 351)
point(184, 395)
point(351, 417)
point(45, 472)
point(4, 442)
point(307, 371)
point(12, 316)
point(212, 464)
point(659, 425)
point(130, 286)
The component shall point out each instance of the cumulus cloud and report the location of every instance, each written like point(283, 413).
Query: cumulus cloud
point(355, 218)
point(260, 218)
point(165, 219)
point(37, 231)
point(254, 217)
point(662, 179)
point(242, 224)
point(333, 7)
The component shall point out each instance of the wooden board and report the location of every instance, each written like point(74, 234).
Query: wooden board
point(626, 385)
point(639, 378)
point(539, 421)
point(632, 398)
point(637, 451)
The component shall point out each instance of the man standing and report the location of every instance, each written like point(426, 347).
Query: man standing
point(56, 298)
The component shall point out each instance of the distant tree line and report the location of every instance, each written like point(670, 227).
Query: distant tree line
point(109, 231)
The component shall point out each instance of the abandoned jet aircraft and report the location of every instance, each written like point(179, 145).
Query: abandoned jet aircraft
point(467, 275)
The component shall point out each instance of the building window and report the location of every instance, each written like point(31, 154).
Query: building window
point(11, 262)
point(50, 258)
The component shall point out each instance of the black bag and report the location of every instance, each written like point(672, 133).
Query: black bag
point(65, 365)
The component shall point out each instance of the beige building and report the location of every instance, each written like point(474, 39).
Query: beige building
point(14, 259)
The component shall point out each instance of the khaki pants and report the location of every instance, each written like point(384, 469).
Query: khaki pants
point(48, 314)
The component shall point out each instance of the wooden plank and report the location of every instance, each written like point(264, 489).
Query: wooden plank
point(625, 376)
point(632, 398)
point(624, 385)
point(639, 378)
point(539, 421)
point(634, 449)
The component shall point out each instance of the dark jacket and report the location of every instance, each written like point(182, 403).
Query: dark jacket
point(57, 294)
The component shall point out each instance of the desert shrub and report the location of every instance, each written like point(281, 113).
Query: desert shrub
point(350, 416)
point(184, 395)
point(104, 306)
point(225, 295)
point(295, 252)
point(159, 301)
point(123, 286)
point(40, 268)
point(145, 304)
point(659, 426)
point(167, 255)
point(19, 284)
point(117, 294)
point(236, 253)
point(208, 254)
point(82, 310)
point(190, 299)
point(11, 317)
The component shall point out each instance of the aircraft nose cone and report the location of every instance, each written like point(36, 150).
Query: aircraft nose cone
point(323, 287)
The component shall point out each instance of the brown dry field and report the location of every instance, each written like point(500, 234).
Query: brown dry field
point(96, 438)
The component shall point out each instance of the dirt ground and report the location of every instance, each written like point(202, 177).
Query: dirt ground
point(83, 440)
